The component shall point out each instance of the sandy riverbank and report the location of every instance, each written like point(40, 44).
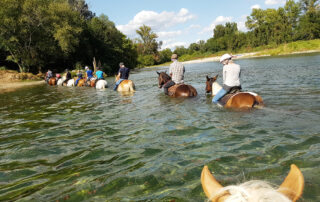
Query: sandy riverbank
point(12, 86)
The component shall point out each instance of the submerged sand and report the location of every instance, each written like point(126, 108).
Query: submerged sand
point(12, 86)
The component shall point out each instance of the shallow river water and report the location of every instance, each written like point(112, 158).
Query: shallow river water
point(80, 144)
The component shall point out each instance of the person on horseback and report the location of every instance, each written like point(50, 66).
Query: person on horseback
point(89, 73)
point(176, 72)
point(68, 77)
point(231, 77)
point(79, 77)
point(123, 74)
point(49, 75)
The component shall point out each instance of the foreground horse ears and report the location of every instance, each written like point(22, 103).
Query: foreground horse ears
point(208, 79)
point(158, 72)
point(292, 186)
point(215, 77)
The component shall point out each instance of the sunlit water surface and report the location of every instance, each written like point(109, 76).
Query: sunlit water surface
point(80, 144)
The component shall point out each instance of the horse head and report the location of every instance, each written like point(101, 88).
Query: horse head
point(290, 190)
point(163, 78)
point(209, 83)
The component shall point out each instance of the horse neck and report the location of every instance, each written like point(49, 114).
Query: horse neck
point(216, 88)
point(165, 78)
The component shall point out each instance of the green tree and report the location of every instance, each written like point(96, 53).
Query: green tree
point(148, 41)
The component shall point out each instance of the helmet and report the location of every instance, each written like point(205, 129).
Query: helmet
point(86, 68)
point(225, 57)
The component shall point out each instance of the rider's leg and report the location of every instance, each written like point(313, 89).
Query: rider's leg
point(117, 84)
point(167, 86)
point(219, 95)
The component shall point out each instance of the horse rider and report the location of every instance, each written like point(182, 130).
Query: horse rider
point(123, 74)
point(49, 75)
point(99, 75)
point(231, 77)
point(176, 72)
point(79, 77)
point(89, 73)
point(68, 76)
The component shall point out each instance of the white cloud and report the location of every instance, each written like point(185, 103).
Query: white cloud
point(172, 45)
point(257, 6)
point(217, 21)
point(194, 27)
point(274, 2)
point(156, 20)
point(169, 34)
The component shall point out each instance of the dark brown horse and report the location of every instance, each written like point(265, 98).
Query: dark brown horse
point(239, 100)
point(178, 90)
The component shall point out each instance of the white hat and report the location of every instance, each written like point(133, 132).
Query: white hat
point(86, 68)
point(225, 57)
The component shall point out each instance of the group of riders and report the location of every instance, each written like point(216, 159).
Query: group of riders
point(231, 75)
point(123, 74)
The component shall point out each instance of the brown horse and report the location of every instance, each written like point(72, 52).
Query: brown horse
point(81, 82)
point(178, 90)
point(52, 81)
point(240, 100)
point(125, 85)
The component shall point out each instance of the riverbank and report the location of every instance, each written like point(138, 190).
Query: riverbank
point(12, 86)
point(12, 80)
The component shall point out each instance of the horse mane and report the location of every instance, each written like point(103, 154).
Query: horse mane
point(251, 191)
point(165, 76)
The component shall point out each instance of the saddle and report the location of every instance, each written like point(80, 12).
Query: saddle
point(172, 89)
point(226, 97)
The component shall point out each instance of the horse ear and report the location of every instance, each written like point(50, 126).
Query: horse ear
point(158, 72)
point(211, 186)
point(293, 184)
point(208, 79)
point(215, 77)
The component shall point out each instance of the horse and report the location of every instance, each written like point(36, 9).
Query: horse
point(290, 190)
point(52, 81)
point(101, 84)
point(239, 100)
point(178, 90)
point(81, 82)
point(71, 82)
point(125, 85)
point(60, 81)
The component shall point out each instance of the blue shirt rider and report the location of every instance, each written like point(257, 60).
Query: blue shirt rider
point(123, 74)
point(99, 74)
point(89, 73)
point(79, 77)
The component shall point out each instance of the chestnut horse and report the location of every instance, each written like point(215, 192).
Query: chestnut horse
point(178, 90)
point(240, 100)
point(81, 82)
point(125, 85)
point(52, 81)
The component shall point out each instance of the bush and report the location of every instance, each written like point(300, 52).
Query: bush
point(146, 60)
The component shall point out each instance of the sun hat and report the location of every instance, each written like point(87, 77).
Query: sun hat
point(225, 57)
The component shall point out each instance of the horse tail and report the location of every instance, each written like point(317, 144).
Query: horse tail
point(258, 102)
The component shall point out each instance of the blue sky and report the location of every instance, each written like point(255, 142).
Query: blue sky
point(178, 22)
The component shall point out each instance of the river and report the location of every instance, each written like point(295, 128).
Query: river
point(80, 144)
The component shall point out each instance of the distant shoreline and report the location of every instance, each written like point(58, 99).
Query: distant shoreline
point(245, 55)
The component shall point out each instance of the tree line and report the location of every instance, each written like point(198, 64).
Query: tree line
point(295, 21)
point(36, 35)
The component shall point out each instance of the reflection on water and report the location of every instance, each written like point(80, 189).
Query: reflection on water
point(61, 143)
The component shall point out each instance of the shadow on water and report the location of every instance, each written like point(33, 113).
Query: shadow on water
point(80, 144)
